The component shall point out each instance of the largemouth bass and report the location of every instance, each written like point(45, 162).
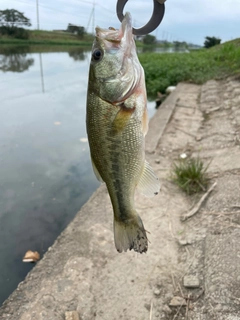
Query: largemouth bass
point(117, 122)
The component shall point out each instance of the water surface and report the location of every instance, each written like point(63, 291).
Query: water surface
point(45, 170)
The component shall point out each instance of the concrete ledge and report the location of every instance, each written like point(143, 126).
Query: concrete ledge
point(161, 118)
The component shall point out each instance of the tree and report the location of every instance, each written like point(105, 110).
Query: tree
point(179, 44)
point(149, 39)
point(13, 18)
point(211, 41)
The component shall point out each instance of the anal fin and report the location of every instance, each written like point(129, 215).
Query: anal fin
point(148, 184)
point(95, 170)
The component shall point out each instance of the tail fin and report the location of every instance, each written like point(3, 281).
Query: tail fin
point(130, 234)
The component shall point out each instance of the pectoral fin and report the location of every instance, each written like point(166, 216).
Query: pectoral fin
point(95, 170)
point(122, 118)
point(148, 184)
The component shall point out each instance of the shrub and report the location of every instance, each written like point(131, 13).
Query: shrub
point(15, 32)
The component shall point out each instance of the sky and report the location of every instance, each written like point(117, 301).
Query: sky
point(184, 20)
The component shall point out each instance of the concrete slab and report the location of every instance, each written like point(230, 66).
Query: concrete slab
point(160, 120)
point(222, 281)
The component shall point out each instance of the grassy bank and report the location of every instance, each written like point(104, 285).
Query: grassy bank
point(163, 70)
point(49, 38)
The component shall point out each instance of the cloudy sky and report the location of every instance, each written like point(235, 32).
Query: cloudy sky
point(184, 20)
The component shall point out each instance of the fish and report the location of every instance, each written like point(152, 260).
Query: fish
point(116, 123)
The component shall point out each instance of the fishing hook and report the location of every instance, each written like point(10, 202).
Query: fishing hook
point(153, 23)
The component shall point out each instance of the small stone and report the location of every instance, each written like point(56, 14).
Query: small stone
point(198, 138)
point(183, 155)
point(31, 256)
point(169, 89)
point(177, 301)
point(157, 292)
point(166, 309)
point(182, 242)
point(157, 161)
point(71, 315)
point(191, 281)
point(218, 307)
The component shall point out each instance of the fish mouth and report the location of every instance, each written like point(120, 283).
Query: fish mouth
point(117, 36)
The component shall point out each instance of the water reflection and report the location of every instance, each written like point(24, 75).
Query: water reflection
point(78, 54)
point(15, 59)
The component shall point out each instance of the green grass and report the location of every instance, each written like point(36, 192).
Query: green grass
point(190, 175)
point(198, 66)
point(49, 38)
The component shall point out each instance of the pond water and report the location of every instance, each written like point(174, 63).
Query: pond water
point(45, 169)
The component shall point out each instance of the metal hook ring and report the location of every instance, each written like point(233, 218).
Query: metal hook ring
point(153, 23)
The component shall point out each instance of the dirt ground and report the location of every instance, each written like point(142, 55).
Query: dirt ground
point(192, 268)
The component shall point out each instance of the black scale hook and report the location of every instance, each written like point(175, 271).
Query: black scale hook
point(153, 23)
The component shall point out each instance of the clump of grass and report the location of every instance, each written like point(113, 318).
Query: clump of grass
point(190, 175)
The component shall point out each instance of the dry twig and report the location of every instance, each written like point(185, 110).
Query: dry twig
point(151, 311)
point(196, 208)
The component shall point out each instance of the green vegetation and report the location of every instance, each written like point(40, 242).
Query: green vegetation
point(50, 38)
point(163, 70)
point(149, 39)
point(190, 175)
point(10, 22)
point(211, 42)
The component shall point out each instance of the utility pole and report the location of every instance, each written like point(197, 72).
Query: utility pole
point(37, 16)
point(93, 17)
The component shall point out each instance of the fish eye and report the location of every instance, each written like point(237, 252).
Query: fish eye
point(97, 55)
